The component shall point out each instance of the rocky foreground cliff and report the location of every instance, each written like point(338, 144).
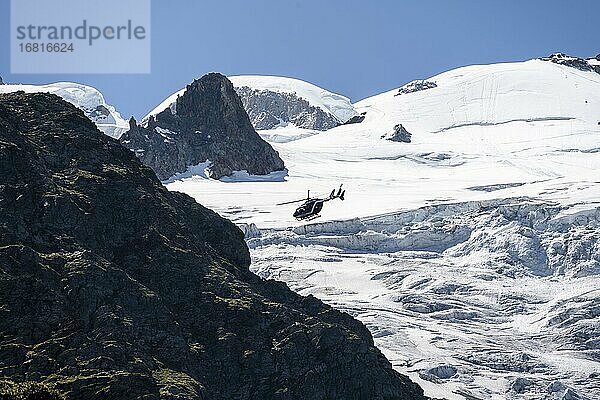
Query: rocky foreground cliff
point(206, 124)
point(113, 287)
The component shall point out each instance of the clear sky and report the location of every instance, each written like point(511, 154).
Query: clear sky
point(356, 48)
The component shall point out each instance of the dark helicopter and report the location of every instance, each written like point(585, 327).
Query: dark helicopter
point(311, 207)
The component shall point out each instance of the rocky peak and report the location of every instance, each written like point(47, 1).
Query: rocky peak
point(132, 123)
point(208, 122)
point(114, 287)
point(1, 81)
point(212, 101)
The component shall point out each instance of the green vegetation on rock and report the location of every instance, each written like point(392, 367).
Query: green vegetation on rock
point(28, 391)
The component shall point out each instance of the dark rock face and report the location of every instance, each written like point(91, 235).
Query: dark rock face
point(112, 287)
point(209, 124)
point(399, 134)
point(268, 110)
point(357, 119)
point(416, 86)
point(1, 81)
point(573, 62)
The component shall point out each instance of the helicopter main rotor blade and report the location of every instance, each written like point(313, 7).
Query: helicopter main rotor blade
point(290, 202)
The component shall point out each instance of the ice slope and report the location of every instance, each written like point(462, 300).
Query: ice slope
point(87, 98)
point(472, 252)
point(332, 103)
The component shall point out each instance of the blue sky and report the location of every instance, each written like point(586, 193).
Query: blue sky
point(356, 48)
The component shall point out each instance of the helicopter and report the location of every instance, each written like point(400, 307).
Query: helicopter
point(312, 206)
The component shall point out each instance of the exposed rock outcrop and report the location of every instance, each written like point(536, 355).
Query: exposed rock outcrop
point(1, 81)
point(208, 122)
point(113, 287)
point(573, 62)
point(416, 86)
point(268, 109)
point(399, 134)
point(357, 119)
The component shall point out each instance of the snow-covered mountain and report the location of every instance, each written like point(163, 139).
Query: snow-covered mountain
point(271, 102)
point(497, 95)
point(87, 98)
point(471, 252)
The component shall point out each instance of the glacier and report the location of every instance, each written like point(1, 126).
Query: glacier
point(467, 298)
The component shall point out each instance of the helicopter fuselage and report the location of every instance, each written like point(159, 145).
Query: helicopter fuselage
point(310, 209)
point(312, 206)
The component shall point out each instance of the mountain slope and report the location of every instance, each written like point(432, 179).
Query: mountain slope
point(206, 125)
point(491, 95)
point(87, 98)
point(113, 287)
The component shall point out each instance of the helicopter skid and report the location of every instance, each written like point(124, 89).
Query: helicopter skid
point(310, 218)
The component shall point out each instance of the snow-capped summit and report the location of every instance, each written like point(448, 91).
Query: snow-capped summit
point(273, 102)
point(497, 96)
point(87, 98)
point(293, 90)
